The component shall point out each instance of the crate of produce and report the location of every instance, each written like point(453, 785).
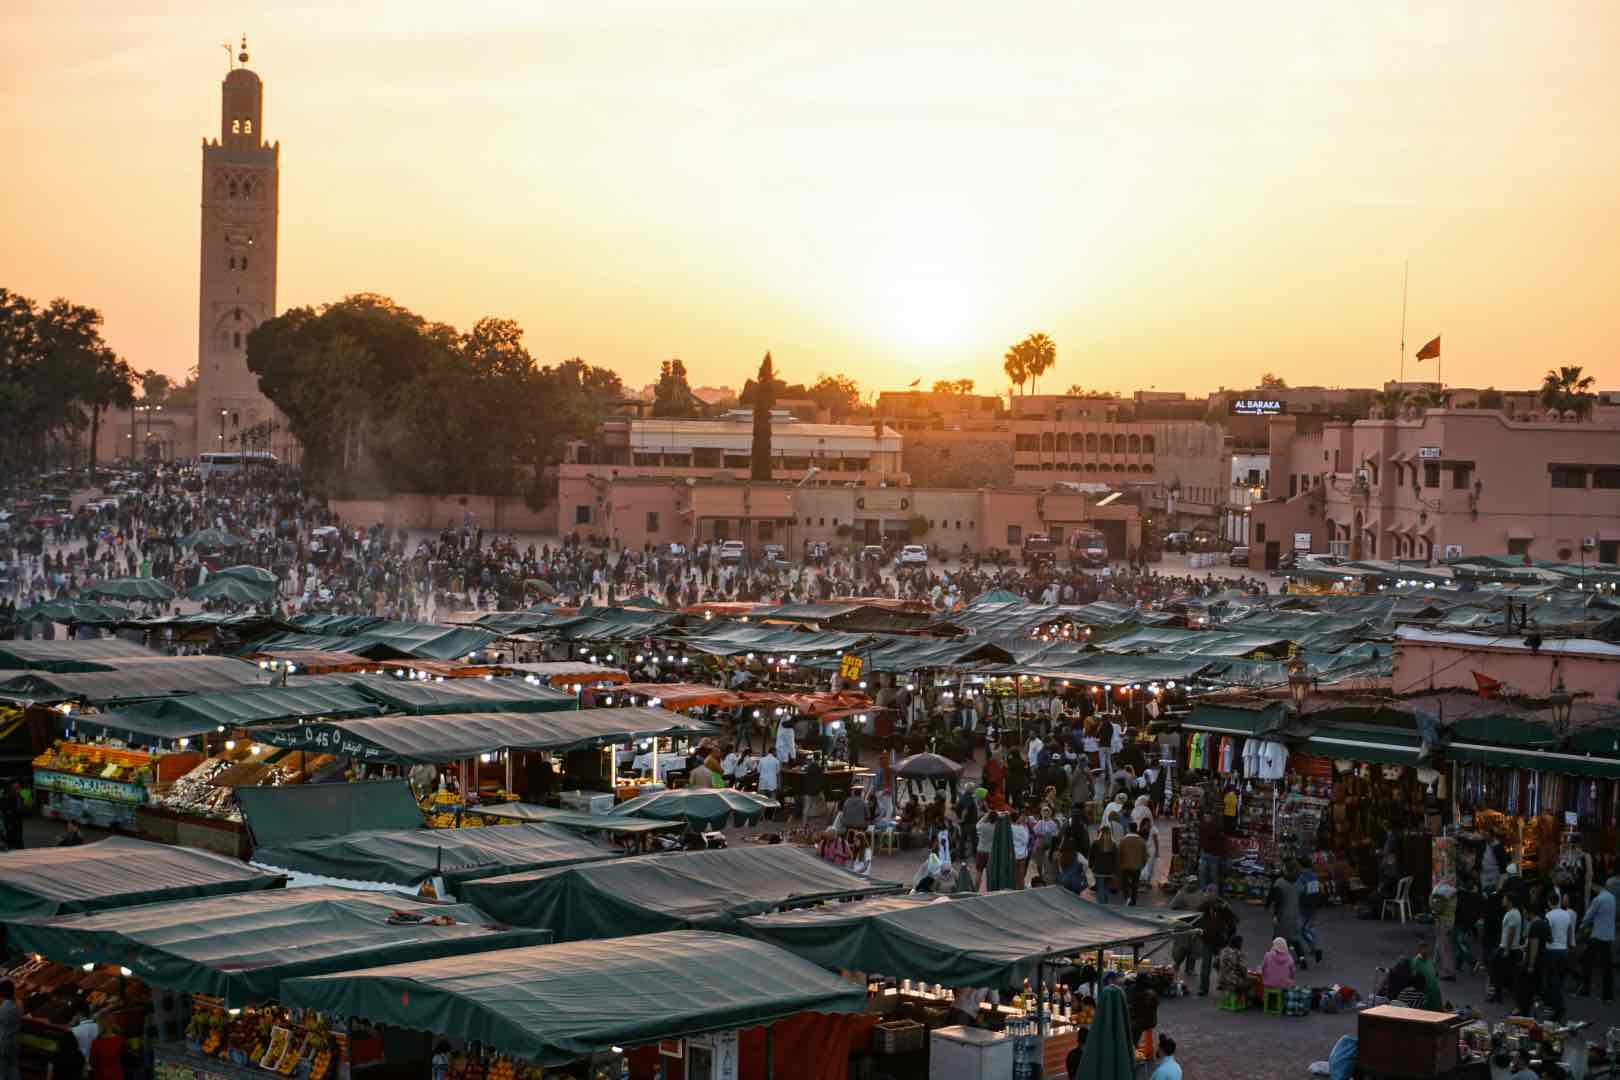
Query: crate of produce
point(897, 1037)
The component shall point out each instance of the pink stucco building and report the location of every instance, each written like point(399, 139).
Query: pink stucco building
point(1446, 483)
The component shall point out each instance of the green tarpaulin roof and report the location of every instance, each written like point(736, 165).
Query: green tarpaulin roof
point(462, 695)
point(240, 948)
point(994, 940)
point(574, 819)
point(132, 588)
point(440, 738)
point(1101, 669)
point(289, 813)
point(1231, 720)
point(158, 677)
point(410, 856)
point(195, 714)
point(698, 889)
point(382, 640)
point(76, 611)
point(906, 654)
point(114, 873)
point(99, 654)
point(557, 1003)
point(1378, 746)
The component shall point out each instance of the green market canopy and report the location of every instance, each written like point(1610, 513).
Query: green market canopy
point(462, 695)
point(700, 808)
point(195, 714)
point(684, 890)
point(132, 588)
point(115, 873)
point(278, 816)
point(69, 612)
point(441, 738)
point(996, 939)
point(99, 654)
point(574, 819)
point(233, 590)
point(558, 1003)
point(241, 948)
point(156, 676)
point(407, 857)
point(211, 538)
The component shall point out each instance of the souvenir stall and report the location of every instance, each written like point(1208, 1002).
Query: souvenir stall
point(1021, 969)
point(192, 985)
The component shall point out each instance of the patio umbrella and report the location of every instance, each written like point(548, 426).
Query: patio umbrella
point(234, 590)
point(999, 596)
point(544, 588)
point(75, 611)
point(700, 808)
point(214, 538)
point(132, 588)
point(254, 575)
point(1000, 871)
point(927, 767)
point(643, 603)
point(1109, 1054)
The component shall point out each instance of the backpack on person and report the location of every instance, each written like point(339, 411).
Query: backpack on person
point(1310, 891)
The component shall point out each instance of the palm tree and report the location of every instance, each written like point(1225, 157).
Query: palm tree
point(1424, 400)
point(1388, 403)
point(1030, 359)
point(1013, 364)
point(1567, 390)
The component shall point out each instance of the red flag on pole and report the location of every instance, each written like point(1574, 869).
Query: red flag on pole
point(1429, 351)
point(1488, 687)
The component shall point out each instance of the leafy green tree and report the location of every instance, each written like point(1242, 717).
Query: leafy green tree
point(764, 401)
point(953, 386)
point(672, 395)
point(840, 395)
point(1269, 381)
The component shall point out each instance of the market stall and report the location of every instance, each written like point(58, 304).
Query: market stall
point(197, 979)
point(116, 872)
point(575, 1009)
point(372, 835)
point(1007, 962)
point(685, 890)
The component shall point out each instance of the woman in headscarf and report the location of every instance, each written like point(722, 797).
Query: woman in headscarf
point(1142, 814)
point(1114, 817)
point(1277, 969)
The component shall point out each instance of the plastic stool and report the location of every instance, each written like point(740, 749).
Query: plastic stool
point(1231, 1002)
point(1274, 1001)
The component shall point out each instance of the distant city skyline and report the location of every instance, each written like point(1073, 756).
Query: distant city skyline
point(1183, 200)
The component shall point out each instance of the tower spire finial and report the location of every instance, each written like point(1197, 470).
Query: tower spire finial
point(230, 57)
point(243, 55)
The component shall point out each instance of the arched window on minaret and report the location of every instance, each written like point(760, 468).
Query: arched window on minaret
point(236, 127)
point(247, 127)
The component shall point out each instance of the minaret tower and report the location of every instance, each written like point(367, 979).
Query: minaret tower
point(240, 184)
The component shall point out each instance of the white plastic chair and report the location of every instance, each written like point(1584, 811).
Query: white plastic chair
point(1401, 902)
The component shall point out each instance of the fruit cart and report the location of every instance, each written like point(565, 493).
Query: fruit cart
point(93, 784)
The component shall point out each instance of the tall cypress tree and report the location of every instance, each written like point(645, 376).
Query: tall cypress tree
point(764, 401)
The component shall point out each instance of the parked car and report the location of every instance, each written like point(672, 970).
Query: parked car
point(1177, 541)
point(773, 552)
point(872, 553)
point(913, 555)
point(732, 551)
point(1038, 548)
point(1239, 556)
point(815, 551)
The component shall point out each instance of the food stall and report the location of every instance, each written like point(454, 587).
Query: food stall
point(706, 890)
point(471, 739)
point(1011, 961)
point(96, 784)
point(607, 1009)
point(198, 979)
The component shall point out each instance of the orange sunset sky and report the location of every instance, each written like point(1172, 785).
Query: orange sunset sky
point(1183, 194)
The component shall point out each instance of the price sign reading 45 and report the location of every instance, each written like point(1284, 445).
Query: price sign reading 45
point(850, 667)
